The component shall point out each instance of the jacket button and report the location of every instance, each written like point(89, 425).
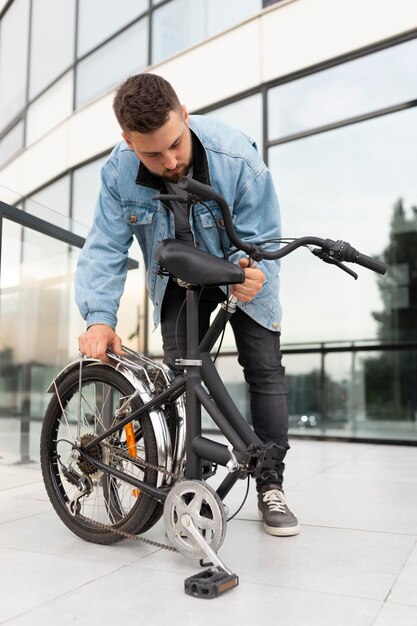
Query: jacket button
point(274, 324)
point(133, 219)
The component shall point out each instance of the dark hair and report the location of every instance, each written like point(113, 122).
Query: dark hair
point(143, 103)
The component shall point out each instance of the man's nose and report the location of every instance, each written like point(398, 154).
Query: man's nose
point(170, 162)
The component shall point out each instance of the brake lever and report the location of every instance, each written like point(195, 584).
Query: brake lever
point(324, 256)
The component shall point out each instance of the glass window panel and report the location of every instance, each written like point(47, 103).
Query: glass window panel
point(183, 23)
point(52, 203)
point(113, 16)
point(52, 42)
point(303, 373)
point(387, 400)
point(231, 373)
point(376, 81)
point(39, 327)
point(358, 184)
point(124, 55)
point(86, 185)
point(50, 109)
point(11, 143)
point(13, 60)
point(33, 347)
point(246, 115)
point(220, 15)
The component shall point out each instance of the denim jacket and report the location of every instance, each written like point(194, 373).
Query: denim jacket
point(222, 157)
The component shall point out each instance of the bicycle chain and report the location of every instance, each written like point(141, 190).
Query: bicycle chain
point(122, 533)
point(127, 535)
point(137, 459)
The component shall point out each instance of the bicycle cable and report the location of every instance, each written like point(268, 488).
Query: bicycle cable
point(243, 501)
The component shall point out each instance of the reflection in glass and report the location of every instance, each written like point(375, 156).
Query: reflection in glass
point(376, 81)
point(390, 399)
point(33, 331)
point(11, 143)
point(115, 61)
point(113, 16)
point(86, 185)
point(353, 394)
point(50, 109)
point(52, 42)
point(246, 115)
point(39, 327)
point(343, 185)
point(13, 60)
point(303, 374)
point(398, 314)
point(52, 203)
point(183, 23)
point(231, 374)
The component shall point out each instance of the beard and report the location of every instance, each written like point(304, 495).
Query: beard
point(173, 176)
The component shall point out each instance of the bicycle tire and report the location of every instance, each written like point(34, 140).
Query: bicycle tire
point(112, 503)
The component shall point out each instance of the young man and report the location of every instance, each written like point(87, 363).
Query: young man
point(161, 144)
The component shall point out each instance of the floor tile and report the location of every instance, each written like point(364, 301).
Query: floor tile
point(354, 562)
point(404, 590)
point(140, 592)
point(47, 534)
point(30, 579)
point(318, 559)
point(397, 615)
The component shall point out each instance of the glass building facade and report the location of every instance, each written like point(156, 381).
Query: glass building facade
point(339, 139)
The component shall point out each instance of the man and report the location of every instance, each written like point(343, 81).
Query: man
point(161, 144)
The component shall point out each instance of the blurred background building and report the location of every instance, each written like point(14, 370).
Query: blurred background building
point(327, 88)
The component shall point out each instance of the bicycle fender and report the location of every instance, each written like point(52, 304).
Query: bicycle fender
point(159, 425)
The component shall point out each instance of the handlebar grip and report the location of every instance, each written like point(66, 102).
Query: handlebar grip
point(343, 251)
point(205, 192)
point(371, 264)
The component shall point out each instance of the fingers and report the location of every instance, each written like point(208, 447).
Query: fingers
point(117, 345)
point(254, 280)
point(95, 341)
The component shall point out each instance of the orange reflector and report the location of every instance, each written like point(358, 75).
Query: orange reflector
point(136, 493)
point(130, 439)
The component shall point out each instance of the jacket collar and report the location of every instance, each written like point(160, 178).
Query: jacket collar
point(200, 168)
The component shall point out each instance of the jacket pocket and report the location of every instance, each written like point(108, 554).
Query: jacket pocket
point(209, 216)
point(138, 215)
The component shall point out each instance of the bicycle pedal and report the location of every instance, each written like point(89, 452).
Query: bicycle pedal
point(210, 583)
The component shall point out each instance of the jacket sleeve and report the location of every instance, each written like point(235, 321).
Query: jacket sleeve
point(256, 216)
point(102, 266)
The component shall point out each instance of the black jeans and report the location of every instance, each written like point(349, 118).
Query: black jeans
point(259, 355)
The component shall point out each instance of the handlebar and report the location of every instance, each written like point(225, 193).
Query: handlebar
point(330, 251)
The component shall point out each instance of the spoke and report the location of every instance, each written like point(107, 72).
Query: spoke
point(62, 409)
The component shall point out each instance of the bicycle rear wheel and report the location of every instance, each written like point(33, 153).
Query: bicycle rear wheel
point(108, 504)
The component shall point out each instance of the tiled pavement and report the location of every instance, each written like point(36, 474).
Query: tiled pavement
point(353, 564)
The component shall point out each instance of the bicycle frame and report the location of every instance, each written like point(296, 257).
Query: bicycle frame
point(198, 368)
point(245, 448)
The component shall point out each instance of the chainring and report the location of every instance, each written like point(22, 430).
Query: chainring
point(202, 504)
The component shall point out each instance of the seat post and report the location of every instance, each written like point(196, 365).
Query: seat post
point(193, 407)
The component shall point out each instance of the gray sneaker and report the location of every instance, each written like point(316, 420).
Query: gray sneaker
point(277, 517)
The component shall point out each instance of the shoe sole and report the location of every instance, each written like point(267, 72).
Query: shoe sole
point(288, 531)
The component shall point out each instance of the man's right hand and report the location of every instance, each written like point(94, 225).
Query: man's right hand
point(95, 341)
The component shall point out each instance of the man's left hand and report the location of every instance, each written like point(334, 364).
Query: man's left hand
point(254, 280)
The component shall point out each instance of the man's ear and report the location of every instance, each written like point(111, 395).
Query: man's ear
point(185, 114)
point(127, 140)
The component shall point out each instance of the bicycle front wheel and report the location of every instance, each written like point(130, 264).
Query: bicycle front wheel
point(106, 504)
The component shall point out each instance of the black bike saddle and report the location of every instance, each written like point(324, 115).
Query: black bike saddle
point(195, 266)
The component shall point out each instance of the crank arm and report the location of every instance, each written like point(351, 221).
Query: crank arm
point(189, 525)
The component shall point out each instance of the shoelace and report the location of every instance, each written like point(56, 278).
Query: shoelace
point(275, 500)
